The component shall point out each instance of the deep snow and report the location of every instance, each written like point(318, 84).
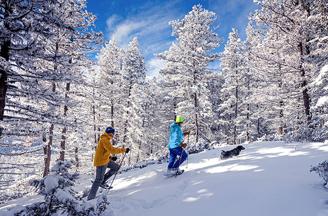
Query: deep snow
point(267, 179)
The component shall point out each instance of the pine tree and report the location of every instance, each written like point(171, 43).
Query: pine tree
point(215, 83)
point(289, 19)
point(320, 110)
point(43, 49)
point(110, 80)
point(233, 91)
point(186, 70)
point(316, 63)
point(133, 78)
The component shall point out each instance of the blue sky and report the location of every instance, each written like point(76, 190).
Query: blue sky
point(148, 20)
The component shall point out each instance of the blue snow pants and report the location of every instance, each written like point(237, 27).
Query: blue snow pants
point(174, 163)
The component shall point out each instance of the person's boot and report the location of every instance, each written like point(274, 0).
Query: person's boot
point(179, 171)
point(105, 186)
point(171, 171)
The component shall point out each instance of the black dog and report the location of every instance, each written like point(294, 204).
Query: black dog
point(234, 152)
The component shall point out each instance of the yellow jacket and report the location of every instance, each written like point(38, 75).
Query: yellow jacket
point(104, 149)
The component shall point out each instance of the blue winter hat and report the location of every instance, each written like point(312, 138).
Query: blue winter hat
point(110, 130)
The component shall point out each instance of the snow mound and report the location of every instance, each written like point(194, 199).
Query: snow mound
point(50, 183)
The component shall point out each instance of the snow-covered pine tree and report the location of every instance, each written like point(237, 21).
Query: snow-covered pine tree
point(317, 62)
point(215, 82)
point(272, 77)
point(84, 137)
point(42, 45)
point(149, 121)
point(250, 107)
point(157, 122)
point(110, 80)
point(66, 54)
point(320, 108)
point(137, 123)
point(164, 106)
point(23, 30)
point(59, 196)
point(187, 66)
point(134, 75)
point(78, 41)
point(233, 91)
point(289, 18)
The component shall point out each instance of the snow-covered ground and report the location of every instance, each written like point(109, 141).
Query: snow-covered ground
point(267, 179)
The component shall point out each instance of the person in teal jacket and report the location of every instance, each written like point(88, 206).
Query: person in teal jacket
point(176, 147)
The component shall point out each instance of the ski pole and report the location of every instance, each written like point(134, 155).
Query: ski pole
point(188, 152)
point(119, 167)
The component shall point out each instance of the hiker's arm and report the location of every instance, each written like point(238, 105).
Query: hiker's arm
point(179, 135)
point(113, 150)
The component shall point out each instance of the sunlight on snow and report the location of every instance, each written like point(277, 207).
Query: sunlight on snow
point(205, 163)
point(229, 168)
point(133, 192)
point(201, 194)
point(280, 151)
point(248, 157)
point(320, 146)
point(191, 199)
point(126, 183)
point(8, 206)
point(197, 183)
point(202, 191)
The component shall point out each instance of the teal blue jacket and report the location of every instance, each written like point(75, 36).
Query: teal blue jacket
point(176, 136)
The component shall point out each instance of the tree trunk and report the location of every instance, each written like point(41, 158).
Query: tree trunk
point(236, 115)
point(258, 127)
point(248, 124)
point(76, 151)
point(196, 118)
point(127, 114)
point(47, 152)
point(64, 131)
point(112, 113)
point(306, 96)
point(4, 53)
point(94, 118)
point(281, 103)
point(195, 103)
point(305, 51)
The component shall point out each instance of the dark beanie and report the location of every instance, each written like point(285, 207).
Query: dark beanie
point(110, 130)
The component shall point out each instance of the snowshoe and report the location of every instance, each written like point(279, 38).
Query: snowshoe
point(173, 172)
point(106, 186)
point(179, 172)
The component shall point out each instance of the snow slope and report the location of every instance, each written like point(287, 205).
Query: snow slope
point(267, 179)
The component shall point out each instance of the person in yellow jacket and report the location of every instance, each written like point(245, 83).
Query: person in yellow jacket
point(104, 159)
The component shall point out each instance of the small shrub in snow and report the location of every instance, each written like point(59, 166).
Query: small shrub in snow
point(60, 198)
point(102, 206)
point(322, 170)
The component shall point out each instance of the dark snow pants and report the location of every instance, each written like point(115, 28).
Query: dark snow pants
point(101, 177)
point(174, 163)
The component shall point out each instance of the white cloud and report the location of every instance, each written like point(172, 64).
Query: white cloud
point(111, 21)
point(150, 25)
point(154, 65)
point(126, 30)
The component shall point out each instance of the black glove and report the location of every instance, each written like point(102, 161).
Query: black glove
point(127, 150)
point(113, 158)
